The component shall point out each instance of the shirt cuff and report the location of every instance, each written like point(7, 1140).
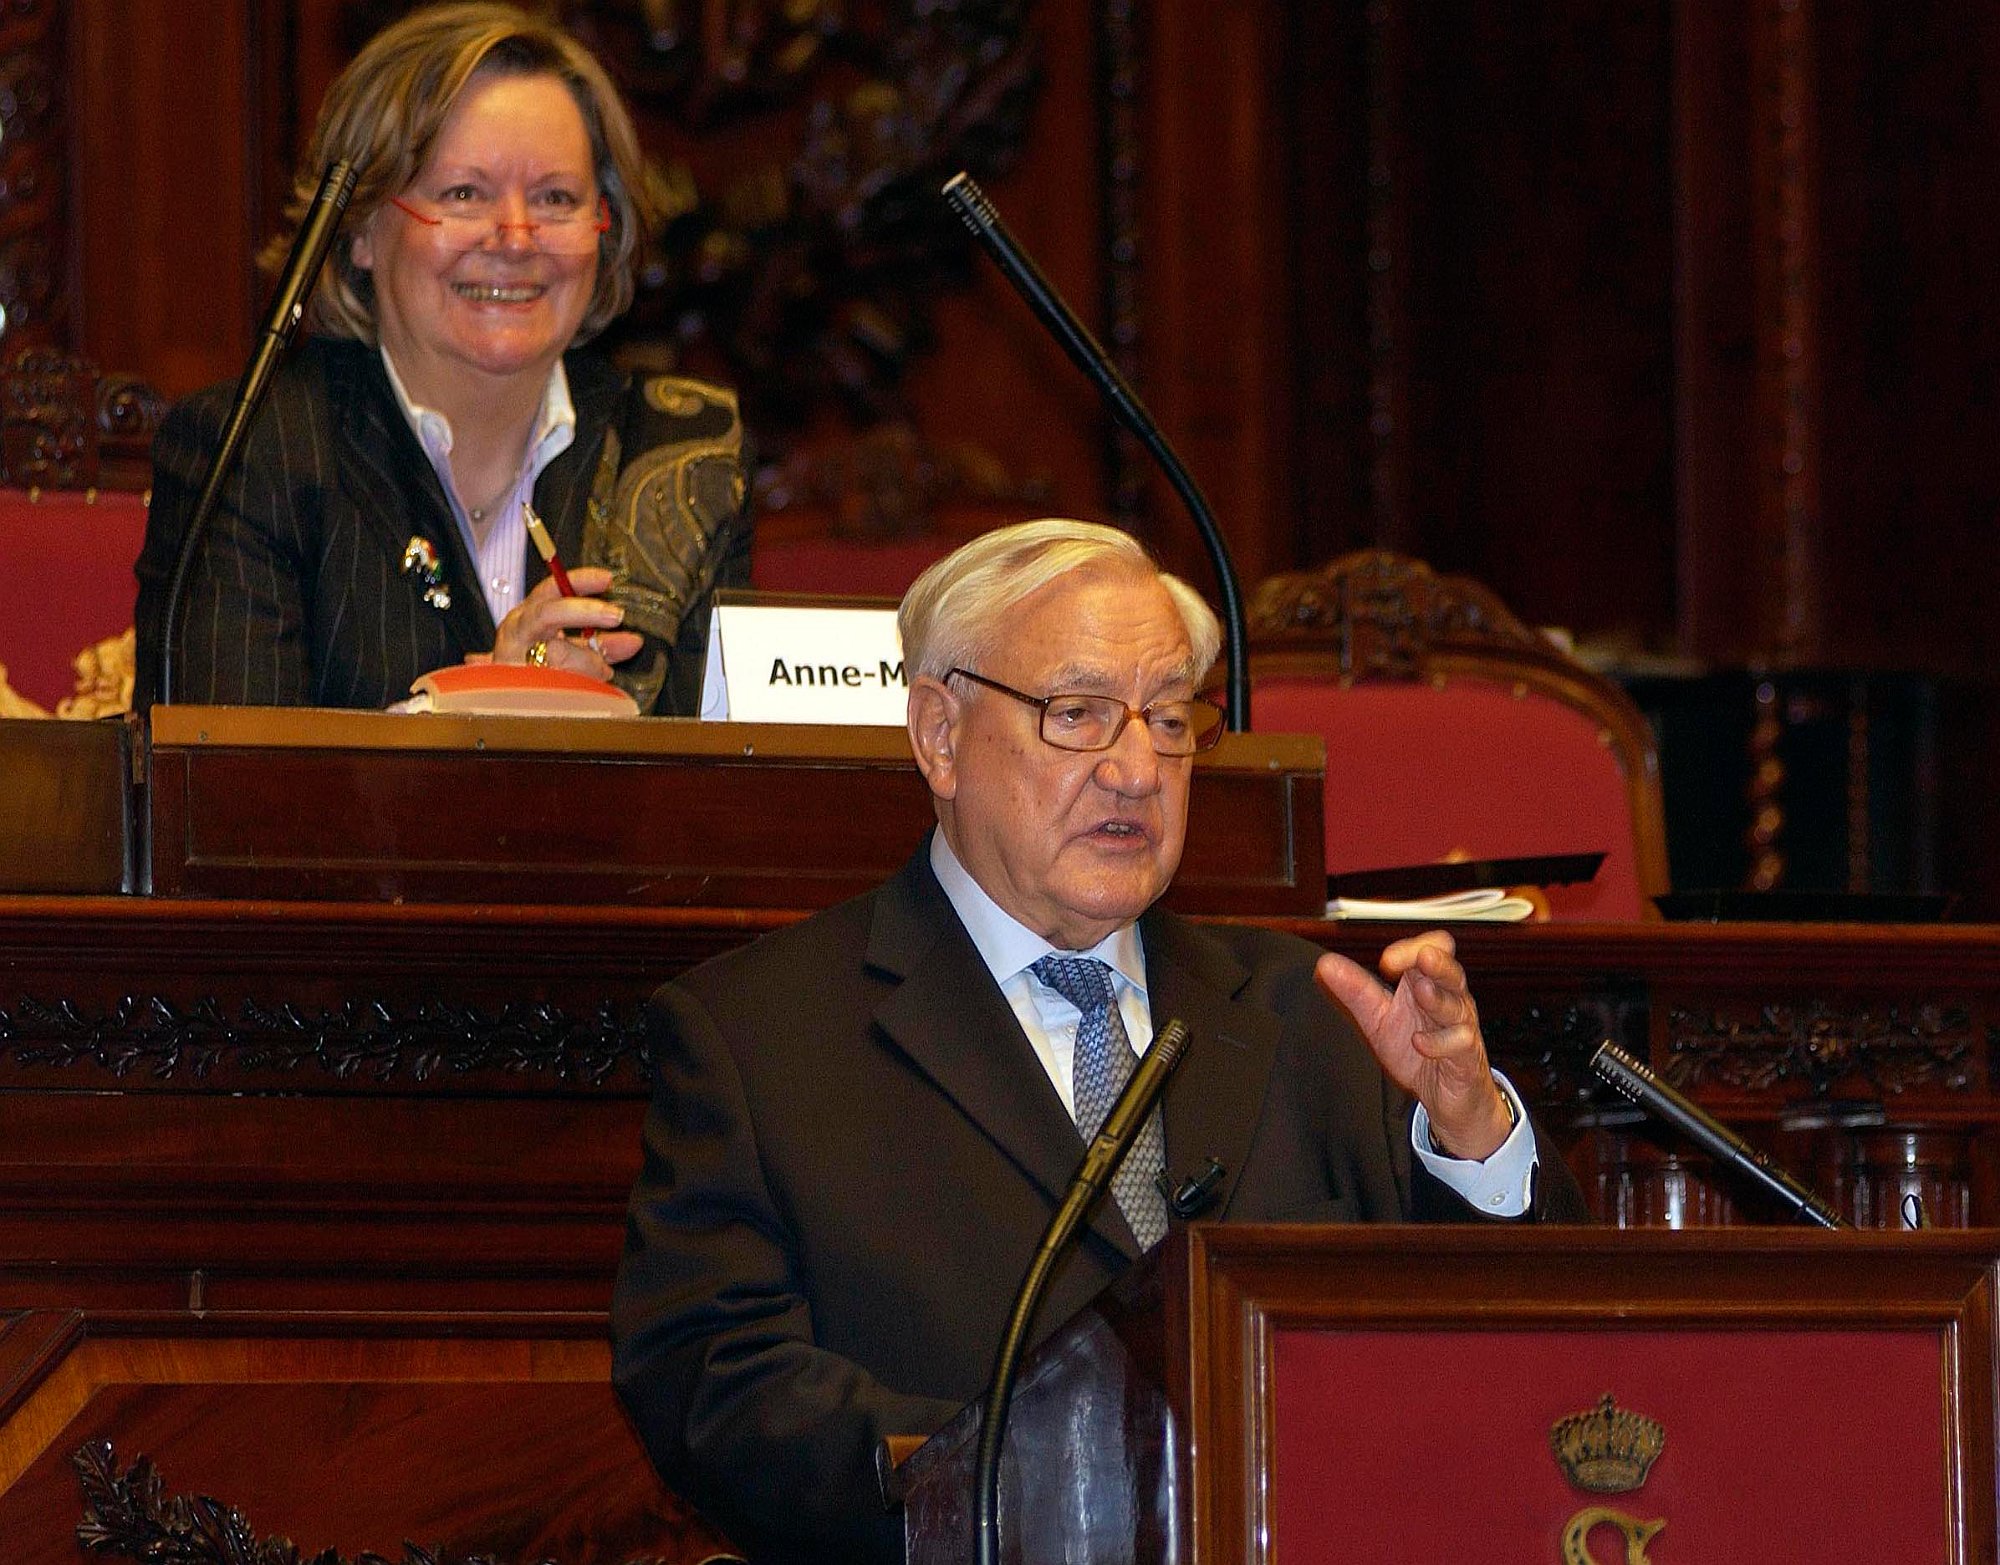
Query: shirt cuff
point(1502, 1185)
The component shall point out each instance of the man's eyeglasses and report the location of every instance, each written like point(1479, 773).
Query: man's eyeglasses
point(466, 225)
point(1079, 722)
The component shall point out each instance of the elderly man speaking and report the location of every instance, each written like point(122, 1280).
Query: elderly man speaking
point(864, 1122)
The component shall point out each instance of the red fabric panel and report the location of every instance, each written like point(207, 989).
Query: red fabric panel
point(879, 570)
point(1414, 773)
point(65, 581)
point(1783, 1447)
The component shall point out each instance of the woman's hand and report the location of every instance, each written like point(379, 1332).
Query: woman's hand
point(578, 633)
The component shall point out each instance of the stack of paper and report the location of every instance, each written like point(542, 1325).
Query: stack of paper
point(1486, 905)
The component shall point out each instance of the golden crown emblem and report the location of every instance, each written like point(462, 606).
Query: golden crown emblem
point(1608, 1449)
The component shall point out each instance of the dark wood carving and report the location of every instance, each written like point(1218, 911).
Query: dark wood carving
point(64, 426)
point(48, 436)
point(131, 1516)
point(1386, 613)
point(370, 1040)
point(34, 261)
point(1825, 1046)
point(535, 1012)
point(1765, 794)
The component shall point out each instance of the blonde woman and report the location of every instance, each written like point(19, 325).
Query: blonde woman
point(377, 525)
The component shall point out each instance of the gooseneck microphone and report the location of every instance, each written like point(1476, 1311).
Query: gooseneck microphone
point(978, 214)
point(1639, 1084)
point(1100, 1161)
point(295, 286)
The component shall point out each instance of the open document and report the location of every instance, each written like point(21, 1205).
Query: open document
point(1485, 905)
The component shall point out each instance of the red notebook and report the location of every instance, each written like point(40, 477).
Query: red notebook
point(518, 690)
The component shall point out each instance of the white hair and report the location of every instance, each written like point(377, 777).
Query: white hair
point(955, 613)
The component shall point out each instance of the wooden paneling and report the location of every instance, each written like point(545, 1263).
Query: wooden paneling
point(310, 1430)
point(1214, 268)
point(37, 288)
point(162, 125)
point(1909, 131)
point(648, 811)
point(65, 809)
point(1482, 226)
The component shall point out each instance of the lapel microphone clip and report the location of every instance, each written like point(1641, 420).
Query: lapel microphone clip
point(1195, 1194)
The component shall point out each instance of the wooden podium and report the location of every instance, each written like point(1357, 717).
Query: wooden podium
point(1297, 1394)
point(304, 804)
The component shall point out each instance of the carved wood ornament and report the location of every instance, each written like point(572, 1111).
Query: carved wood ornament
point(1387, 612)
point(371, 1041)
point(130, 1515)
point(34, 301)
point(63, 426)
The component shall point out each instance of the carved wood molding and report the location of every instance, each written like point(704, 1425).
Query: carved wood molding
point(1544, 1047)
point(1824, 1046)
point(34, 258)
point(63, 426)
point(363, 1041)
point(1386, 613)
point(130, 1515)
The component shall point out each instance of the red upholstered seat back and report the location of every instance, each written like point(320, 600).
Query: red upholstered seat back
point(1452, 728)
point(65, 581)
point(1417, 770)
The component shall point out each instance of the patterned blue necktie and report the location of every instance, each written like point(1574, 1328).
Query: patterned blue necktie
point(1104, 1063)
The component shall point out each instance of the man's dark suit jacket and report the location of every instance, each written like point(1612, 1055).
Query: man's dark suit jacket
point(299, 596)
point(853, 1150)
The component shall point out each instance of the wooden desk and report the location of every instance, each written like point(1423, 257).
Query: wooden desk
point(261, 802)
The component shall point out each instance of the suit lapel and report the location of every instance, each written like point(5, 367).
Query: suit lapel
point(1217, 1094)
point(392, 485)
point(950, 1020)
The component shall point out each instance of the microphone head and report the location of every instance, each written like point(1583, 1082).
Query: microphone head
point(1612, 1064)
point(965, 198)
point(340, 178)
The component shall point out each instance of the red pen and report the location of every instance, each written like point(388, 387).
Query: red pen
point(545, 546)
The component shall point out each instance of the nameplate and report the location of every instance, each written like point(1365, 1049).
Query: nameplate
point(771, 663)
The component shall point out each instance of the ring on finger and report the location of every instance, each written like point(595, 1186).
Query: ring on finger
point(593, 642)
point(538, 654)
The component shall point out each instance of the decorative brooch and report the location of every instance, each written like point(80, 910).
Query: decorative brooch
point(420, 559)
